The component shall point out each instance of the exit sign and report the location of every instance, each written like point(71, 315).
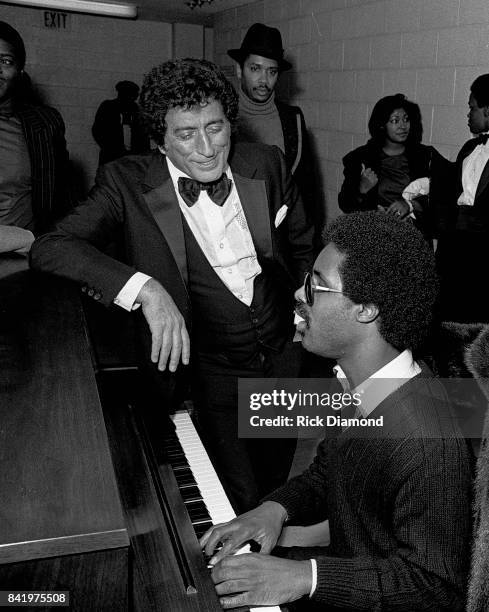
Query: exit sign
point(55, 20)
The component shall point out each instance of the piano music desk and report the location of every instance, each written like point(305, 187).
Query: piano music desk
point(61, 522)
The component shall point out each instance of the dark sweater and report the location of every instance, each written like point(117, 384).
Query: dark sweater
point(398, 508)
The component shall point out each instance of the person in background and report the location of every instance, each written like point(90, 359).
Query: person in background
point(263, 118)
point(117, 128)
point(393, 169)
point(33, 156)
point(397, 495)
point(463, 219)
point(215, 238)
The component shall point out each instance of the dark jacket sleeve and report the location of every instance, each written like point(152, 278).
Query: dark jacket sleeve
point(446, 187)
point(74, 249)
point(349, 198)
point(426, 161)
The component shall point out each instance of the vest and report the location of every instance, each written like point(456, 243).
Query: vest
point(221, 323)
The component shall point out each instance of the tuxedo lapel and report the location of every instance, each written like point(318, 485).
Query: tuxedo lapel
point(483, 181)
point(161, 200)
point(254, 201)
point(253, 197)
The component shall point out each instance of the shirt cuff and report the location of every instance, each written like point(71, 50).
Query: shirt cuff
point(314, 568)
point(128, 294)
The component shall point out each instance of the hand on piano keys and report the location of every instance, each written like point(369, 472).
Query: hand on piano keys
point(256, 579)
point(200, 485)
point(262, 525)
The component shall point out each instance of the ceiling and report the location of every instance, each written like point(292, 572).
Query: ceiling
point(176, 10)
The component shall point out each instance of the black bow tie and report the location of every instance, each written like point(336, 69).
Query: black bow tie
point(482, 139)
point(218, 191)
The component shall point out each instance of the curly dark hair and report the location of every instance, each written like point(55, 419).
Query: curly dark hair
point(384, 108)
point(184, 83)
point(480, 90)
point(388, 263)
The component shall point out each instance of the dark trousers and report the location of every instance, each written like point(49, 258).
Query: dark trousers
point(248, 468)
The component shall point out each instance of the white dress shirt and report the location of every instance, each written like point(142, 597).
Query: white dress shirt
point(223, 235)
point(393, 375)
point(472, 168)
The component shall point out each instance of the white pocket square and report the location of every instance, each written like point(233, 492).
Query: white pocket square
point(280, 216)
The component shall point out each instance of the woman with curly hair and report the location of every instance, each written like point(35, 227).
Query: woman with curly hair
point(378, 173)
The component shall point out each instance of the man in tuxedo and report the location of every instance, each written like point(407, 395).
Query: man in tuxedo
point(463, 219)
point(215, 237)
point(396, 492)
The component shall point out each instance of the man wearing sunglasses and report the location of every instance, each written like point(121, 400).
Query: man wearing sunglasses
point(397, 500)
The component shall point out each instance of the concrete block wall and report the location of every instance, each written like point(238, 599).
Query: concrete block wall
point(76, 68)
point(349, 53)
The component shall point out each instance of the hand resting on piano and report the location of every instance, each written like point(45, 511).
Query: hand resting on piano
point(254, 579)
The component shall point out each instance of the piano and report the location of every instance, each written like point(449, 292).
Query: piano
point(100, 497)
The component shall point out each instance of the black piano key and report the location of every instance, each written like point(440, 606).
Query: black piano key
point(198, 511)
point(201, 528)
point(185, 478)
point(180, 464)
point(190, 494)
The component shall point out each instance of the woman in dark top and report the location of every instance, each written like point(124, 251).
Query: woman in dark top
point(377, 173)
point(33, 155)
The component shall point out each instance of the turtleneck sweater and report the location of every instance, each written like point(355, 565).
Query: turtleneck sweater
point(259, 121)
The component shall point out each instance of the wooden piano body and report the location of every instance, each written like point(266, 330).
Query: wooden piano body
point(86, 504)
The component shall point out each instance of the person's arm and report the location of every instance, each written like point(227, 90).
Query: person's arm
point(74, 250)
point(256, 580)
point(15, 239)
point(305, 497)
point(262, 524)
point(445, 181)
point(359, 180)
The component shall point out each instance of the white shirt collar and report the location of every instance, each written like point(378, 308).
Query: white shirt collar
point(393, 375)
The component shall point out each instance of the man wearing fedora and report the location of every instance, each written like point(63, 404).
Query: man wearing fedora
point(263, 118)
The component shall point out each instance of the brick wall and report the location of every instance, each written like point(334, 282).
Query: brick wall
point(349, 53)
point(77, 67)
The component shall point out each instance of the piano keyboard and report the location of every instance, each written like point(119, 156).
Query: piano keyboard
point(199, 485)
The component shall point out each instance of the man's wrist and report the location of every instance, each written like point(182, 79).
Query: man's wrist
point(127, 296)
point(305, 576)
point(279, 511)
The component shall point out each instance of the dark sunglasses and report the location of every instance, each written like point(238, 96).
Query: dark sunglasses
point(310, 289)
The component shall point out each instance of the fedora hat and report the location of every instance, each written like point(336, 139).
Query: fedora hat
point(264, 41)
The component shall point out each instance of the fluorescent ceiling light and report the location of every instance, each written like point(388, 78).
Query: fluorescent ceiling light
point(96, 7)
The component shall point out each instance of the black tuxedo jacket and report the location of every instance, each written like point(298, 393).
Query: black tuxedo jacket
point(134, 198)
point(448, 209)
